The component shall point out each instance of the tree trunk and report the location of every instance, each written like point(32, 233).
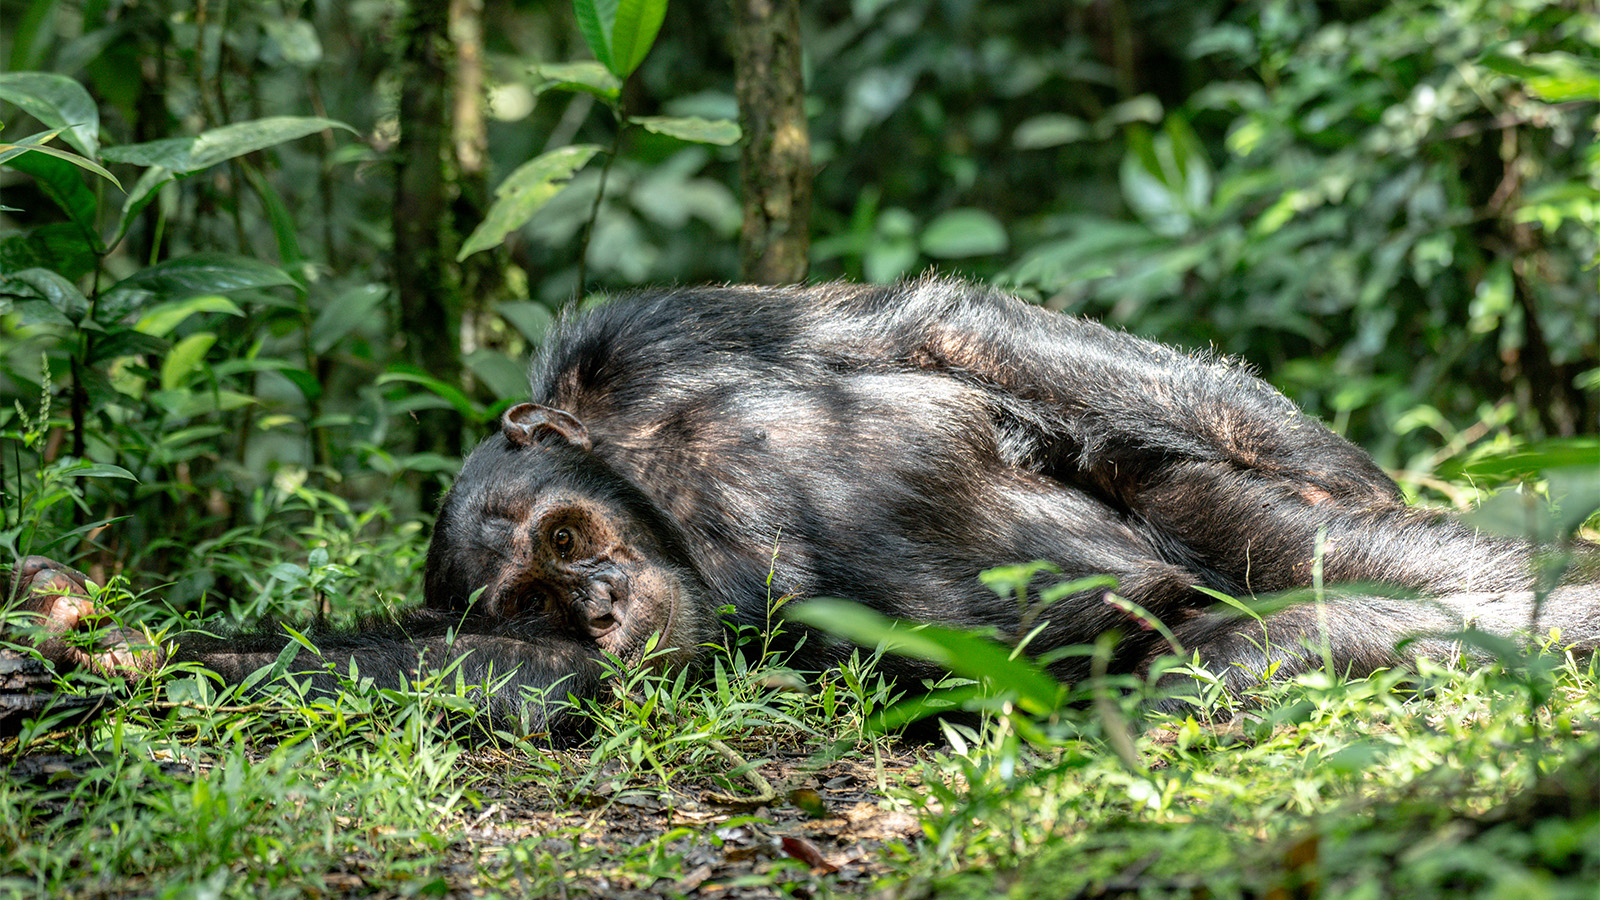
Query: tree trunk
point(775, 166)
point(424, 244)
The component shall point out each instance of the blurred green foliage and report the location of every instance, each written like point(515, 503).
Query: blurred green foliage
point(1391, 209)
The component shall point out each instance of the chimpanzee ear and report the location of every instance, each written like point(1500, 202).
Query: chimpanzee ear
point(526, 423)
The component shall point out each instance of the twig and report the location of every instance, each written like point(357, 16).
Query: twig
point(764, 792)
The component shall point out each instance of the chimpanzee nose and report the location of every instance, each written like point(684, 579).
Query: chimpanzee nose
point(597, 607)
point(596, 612)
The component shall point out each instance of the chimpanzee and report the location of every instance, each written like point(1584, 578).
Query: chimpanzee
point(690, 455)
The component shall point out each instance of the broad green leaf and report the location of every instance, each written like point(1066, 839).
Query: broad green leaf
point(450, 393)
point(1531, 459)
point(295, 41)
point(61, 247)
point(159, 320)
point(188, 276)
point(168, 153)
point(633, 33)
point(595, 18)
point(185, 155)
point(184, 403)
point(98, 470)
point(1553, 77)
point(721, 132)
point(1155, 203)
point(960, 233)
point(58, 102)
point(1050, 130)
point(587, 76)
point(229, 141)
point(502, 375)
point(1190, 170)
point(61, 295)
point(184, 358)
point(532, 319)
point(962, 652)
point(62, 183)
point(343, 313)
point(523, 192)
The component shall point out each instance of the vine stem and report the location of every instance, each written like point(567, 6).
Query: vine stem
point(594, 210)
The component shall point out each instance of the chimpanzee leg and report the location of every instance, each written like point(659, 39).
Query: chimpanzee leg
point(1260, 534)
point(1117, 406)
point(1361, 635)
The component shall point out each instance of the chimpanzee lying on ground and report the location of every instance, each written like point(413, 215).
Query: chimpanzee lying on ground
point(887, 444)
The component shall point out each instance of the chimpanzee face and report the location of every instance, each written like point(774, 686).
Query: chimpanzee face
point(540, 532)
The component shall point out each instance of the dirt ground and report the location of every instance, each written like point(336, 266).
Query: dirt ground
point(827, 828)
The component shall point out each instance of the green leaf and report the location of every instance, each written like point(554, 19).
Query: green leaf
point(343, 313)
point(587, 76)
point(532, 319)
point(1553, 77)
point(960, 233)
point(962, 652)
point(61, 295)
point(721, 132)
point(523, 192)
point(1050, 130)
point(159, 320)
point(58, 102)
point(595, 18)
point(185, 155)
point(184, 359)
point(144, 191)
point(502, 375)
point(60, 247)
point(1529, 460)
point(35, 143)
point(188, 276)
point(168, 153)
point(60, 181)
point(229, 141)
point(633, 33)
point(450, 393)
point(98, 470)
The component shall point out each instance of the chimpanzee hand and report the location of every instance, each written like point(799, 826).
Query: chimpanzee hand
point(57, 596)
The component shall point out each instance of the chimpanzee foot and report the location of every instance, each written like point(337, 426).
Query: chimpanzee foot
point(58, 598)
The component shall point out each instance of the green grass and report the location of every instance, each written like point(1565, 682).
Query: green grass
point(1367, 789)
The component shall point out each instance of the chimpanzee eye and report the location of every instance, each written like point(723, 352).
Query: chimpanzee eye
point(562, 539)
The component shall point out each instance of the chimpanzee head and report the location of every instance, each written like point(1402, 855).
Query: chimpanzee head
point(554, 536)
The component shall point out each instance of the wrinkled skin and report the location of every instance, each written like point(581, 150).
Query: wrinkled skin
point(689, 456)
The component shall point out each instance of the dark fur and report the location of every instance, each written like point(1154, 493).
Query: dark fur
point(887, 444)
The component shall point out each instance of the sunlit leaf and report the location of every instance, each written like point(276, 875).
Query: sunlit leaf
point(633, 32)
point(184, 359)
point(587, 76)
point(962, 652)
point(58, 102)
point(523, 192)
point(960, 233)
point(721, 132)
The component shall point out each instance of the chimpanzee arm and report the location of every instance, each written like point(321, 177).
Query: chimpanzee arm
point(529, 679)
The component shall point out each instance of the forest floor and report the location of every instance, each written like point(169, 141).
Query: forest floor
point(1485, 784)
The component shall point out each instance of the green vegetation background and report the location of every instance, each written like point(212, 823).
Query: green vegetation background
point(218, 375)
